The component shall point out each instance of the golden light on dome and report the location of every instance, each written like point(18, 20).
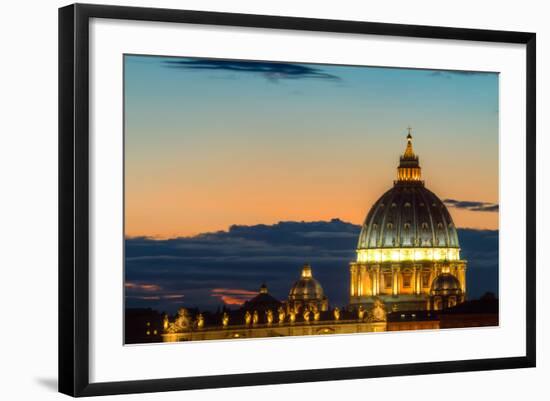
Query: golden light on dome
point(378, 255)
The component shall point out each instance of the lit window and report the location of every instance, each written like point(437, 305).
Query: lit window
point(407, 280)
point(387, 280)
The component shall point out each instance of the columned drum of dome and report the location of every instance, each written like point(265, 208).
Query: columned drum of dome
point(407, 240)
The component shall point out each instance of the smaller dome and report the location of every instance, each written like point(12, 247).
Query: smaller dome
point(306, 288)
point(445, 284)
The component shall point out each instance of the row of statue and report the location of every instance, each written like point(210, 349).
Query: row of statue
point(184, 322)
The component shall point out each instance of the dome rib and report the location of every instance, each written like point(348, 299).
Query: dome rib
point(428, 206)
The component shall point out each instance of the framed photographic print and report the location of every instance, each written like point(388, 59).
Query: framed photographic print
point(238, 192)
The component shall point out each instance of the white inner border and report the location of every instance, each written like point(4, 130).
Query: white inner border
point(111, 361)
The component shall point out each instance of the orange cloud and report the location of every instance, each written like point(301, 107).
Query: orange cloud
point(142, 287)
point(232, 296)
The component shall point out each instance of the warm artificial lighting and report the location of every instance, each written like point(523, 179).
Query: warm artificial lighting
point(407, 254)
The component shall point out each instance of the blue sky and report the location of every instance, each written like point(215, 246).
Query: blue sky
point(309, 142)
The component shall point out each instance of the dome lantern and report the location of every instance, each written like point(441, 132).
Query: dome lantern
point(408, 170)
point(306, 271)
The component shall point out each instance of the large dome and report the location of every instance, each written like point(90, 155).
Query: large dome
point(408, 215)
point(306, 288)
point(410, 219)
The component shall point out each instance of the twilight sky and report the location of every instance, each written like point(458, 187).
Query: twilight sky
point(211, 143)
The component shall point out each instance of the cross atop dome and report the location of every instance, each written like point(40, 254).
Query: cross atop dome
point(409, 153)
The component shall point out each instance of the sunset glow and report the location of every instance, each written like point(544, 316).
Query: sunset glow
point(259, 149)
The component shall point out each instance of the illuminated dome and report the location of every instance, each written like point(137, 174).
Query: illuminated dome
point(408, 222)
point(445, 284)
point(306, 288)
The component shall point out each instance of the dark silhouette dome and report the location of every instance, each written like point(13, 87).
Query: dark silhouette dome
point(445, 284)
point(408, 215)
point(262, 301)
point(306, 288)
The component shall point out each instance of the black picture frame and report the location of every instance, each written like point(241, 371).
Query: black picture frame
point(74, 198)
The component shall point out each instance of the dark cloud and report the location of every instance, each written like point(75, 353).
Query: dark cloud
point(474, 206)
point(148, 292)
point(270, 70)
point(450, 73)
point(229, 266)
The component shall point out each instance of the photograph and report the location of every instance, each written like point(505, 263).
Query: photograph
point(276, 199)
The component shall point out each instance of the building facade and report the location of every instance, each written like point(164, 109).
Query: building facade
point(408, 267)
